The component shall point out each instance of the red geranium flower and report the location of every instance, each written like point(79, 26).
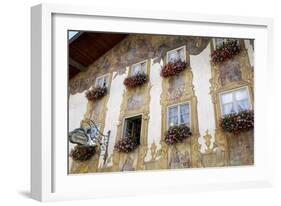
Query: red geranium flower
point(238, 122)
point(173, 68)
point(96, 93)
point(226, 51)
point(136, 80)
point(177, 134)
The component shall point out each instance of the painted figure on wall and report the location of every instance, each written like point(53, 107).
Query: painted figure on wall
point(230, 71)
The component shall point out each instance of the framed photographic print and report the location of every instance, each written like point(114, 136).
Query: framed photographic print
point(133, 102)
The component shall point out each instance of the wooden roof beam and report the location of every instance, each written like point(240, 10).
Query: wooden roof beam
point(77, 65)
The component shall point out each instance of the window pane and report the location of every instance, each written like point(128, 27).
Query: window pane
point(241, 94)
point(143, 67)
point(173, 111)
point(129, 127)
point(104, 81)
point(219, 41)
point(100, 82)
point(184, 118)
point(226, 98)
point(184, 109)
point(173, 120)
point(173, 116)
point(173, 56)
point(243, 105)
point(228, 108)
point(136, 68)
point(184, 114)
point(181, 54)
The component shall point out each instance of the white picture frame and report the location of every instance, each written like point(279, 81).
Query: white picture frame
point(49, 177)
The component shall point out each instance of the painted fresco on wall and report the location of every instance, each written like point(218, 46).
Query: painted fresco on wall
point(230, 71)
point(135, 101)
point(179, 158)
point(133, 49)
point(176, 87)
point(198, 114)
point(241, 150)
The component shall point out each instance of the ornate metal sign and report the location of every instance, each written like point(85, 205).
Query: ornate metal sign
point(91, 136)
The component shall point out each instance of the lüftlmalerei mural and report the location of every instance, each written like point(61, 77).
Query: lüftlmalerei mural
point(153, 102)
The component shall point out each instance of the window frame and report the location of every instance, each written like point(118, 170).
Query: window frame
point(224, 40)
point(102, 76)
point(124, 126)
point(231, 91)
point(131, 67)
point(178, 105)
point(181, 47)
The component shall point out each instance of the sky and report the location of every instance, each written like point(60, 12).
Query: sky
point(71, 34)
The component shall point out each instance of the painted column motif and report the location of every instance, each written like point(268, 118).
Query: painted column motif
point(179, 89)
point(135, 101)
point(233, 74)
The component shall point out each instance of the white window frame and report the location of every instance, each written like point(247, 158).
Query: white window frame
point(146, 65)
point(231, 91)
point(178, 105)
point(181, 47)
point(102, 76)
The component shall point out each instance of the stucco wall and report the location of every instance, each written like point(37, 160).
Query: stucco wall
point(113, 109)
point(201, 68)
point(154, 132)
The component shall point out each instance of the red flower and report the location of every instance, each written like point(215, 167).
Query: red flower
point(126, 145)
point(238, 122)
point(136, 80)
point(177, 134)
point(96, 93)
point(226, 51)
point(174, 68)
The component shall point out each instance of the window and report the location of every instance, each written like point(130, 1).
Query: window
point(176, 54)
point(220, 41)
point(139, 68)
point(179, 114)
point(235, 101)
point(102, 81)
point(132, 127)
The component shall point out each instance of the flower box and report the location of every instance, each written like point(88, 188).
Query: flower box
point(238, 122)
point(173, 68)
point(126, 145)
point(176, 134)
point(82, 152)
point(135, 80)
point(96, 93)
point(225, 51)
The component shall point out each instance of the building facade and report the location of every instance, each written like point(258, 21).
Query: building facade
point(199, 97)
